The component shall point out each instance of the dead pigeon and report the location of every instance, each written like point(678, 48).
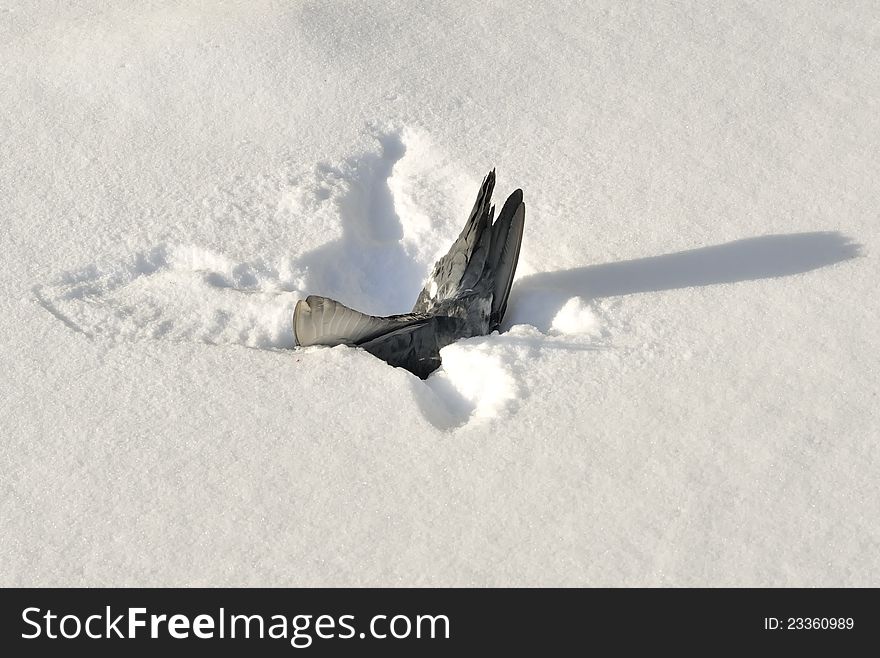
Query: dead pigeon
point(466, 295)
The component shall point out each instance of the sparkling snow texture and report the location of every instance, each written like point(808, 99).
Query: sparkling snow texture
point(685, 392)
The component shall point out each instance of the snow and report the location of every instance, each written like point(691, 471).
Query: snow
point(685, 390)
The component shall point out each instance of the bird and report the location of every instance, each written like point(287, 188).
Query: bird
point(465, 295)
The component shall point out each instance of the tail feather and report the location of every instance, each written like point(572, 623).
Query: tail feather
point(324, 321)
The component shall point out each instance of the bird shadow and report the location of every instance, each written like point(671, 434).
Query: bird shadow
point(537, 298)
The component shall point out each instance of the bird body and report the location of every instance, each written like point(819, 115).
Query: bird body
point(465, 295)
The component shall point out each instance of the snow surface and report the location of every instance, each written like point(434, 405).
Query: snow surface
point(686, 389)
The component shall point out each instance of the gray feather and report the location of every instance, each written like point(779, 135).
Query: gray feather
point(506, 242)
point(323, 321)
point(448, 272)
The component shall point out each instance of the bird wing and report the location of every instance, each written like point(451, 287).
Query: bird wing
point(465, 258)
point(507, 235)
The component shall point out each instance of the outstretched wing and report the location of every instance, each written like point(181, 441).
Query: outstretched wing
point(463, 264)
point(324, 321)
point(507, 235)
